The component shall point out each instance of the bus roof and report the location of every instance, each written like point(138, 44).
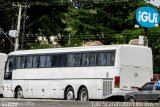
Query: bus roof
point(70, 49)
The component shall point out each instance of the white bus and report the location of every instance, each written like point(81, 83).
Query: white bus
point(83, 73)
point(3, 58)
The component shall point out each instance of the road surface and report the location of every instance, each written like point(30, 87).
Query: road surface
point(10, 102)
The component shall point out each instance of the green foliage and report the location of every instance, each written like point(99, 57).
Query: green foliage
point(46, 19)
point(7, 17)
point(111, 22)
point(39, 46)
point(125, 36)
point(43, 24)
point(154, 43)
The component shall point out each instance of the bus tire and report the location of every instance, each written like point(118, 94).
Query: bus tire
point(19, 93)
point(83, 94)
point(69, 94)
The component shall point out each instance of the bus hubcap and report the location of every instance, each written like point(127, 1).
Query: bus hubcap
point(70, 95)
point(84, 96)
point(131, 100)
point(19, 94)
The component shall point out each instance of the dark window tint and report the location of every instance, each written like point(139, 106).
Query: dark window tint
point(63, 60)
point(56, 60)
point(48, 61)
point(148, 86)
point(29, 61)
point(85, 59)
point(74, 59)
point(93, 59)
point(70, 61)
point(77, 59)
point(96, 58)
point(42, 61)
point(10, 63)
point(23, 62)
point(35, 61)
point(18, 62)
point(110, 59)
point(101, 60)
point(106, 58)
point(9, 68)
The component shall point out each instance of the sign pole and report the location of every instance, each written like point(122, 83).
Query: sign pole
point(146, 37)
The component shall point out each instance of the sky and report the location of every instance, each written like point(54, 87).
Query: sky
point(155, 2)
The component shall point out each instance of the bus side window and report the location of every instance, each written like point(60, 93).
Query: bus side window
point(48, 61)
point(56, 61)
point(18, 62)
point(23, 62)
point(70, 61)
point(63, 60)
point(101, 61)
point(35, 61)
point(92, 60)
point(111, 60)
point(42, 61)
point(85, 59)
point(77, 59)
point(29, 61)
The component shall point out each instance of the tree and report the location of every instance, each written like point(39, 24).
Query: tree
point(77, 21)
point(154, 43)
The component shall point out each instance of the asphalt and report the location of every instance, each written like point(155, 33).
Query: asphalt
point(11, 102)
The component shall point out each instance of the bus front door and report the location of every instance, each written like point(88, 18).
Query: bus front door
point(7, 78)
point(8, 69)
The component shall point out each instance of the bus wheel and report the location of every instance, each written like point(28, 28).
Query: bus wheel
point(131, 99)
point(69, 94)
point(83, 94)
point(19, 93)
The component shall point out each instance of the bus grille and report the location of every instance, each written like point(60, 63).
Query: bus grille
point(107, 87)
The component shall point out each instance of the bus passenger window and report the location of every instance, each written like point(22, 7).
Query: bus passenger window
point(23, 62)
point(35, 61)
point(18, 62)
point(70, 60)
point(101, 61)
point(77, 59)
point(48, 61)
point(85, 59)
point(55, 60)
point(110, 59)
point(92, 60)
point(63, 60)
point(42, 61)
point(29, 62)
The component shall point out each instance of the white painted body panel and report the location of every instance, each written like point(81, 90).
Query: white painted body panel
point(135, 65)
point(3, 58)
point(51, 82)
